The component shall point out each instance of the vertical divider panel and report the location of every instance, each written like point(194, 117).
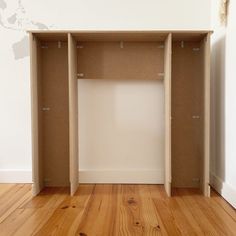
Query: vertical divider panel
point(167, 85)
point(73, 114)
point(206, 161)
point(34, 79)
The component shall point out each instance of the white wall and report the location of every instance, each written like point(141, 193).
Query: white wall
point(121, 131)
point(122, 14)
point(17, 16)
point(223, 174)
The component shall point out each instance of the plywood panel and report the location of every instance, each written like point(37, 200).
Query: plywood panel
point(115, 60)
point(187, 114)
point(167, 80)
point(37, 172)
point(73, 114)
point(55, 113)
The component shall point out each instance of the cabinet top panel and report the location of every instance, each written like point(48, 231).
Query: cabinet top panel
point(142, 35)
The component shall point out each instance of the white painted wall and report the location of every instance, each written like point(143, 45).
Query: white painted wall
point(121, 130)
point(224, 106)
point(122, 14)
point(17, 16)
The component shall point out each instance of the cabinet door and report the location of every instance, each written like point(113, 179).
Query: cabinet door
point(73, 114)
point(167, 81)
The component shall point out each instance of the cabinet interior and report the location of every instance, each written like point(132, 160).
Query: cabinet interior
point(180, 59)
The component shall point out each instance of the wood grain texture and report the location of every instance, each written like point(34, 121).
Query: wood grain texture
point(113, 210)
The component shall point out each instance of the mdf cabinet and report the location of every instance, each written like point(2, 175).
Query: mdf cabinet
point(181, 59)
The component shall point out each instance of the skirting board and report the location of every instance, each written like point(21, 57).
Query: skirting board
point(122, 176)
point(224, 189)
point(15, 176)
point(93, 176)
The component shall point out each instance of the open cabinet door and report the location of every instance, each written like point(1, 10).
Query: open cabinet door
point(167, 84)
point(73, 114)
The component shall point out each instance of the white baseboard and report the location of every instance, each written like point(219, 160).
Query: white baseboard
point(93, 176)
point(122, 176)
point(15, 176)
point(224, 189)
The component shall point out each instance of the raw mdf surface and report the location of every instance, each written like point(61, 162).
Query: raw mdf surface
point(120, 60)
point(35, 61)
point(187, 114)
point(206, 54)
point(73, 114)
point(120, 35)
point(55, 113)
point(167, 85)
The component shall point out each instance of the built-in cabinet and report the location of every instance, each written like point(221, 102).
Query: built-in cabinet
point(181, 59)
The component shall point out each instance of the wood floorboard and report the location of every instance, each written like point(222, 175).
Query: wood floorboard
point(113, 210)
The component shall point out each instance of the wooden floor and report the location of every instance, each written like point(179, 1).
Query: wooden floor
point(113, 210)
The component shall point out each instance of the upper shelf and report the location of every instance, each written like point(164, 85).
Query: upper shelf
point(146, 35)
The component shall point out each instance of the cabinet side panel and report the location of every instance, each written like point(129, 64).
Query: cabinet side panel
point(167, 81)
point(37, 172)
point(206, 160)
point(73, 114)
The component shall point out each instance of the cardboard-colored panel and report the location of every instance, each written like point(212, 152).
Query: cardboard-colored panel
point(206, 44)
point(49, 36)
point(120, 55)
point(121, 35)
point(55, 113)
point(37, 171)
point(187, 114)
point(120, 60)
point(40, 127)
point(167, 81)
point(73, 114)
point(188, 36)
